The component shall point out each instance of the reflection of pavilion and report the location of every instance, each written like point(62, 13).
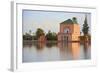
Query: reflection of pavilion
point(69, 31)
point(69, 50)
point(75, 48)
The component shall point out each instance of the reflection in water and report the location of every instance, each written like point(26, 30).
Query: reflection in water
point(53, 51)
point(75, 48)
point(87, 50)
point(70, 50)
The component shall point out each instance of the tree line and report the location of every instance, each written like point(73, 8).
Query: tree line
point(39, 32)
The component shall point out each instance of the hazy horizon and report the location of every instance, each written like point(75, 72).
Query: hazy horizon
point(50, 20)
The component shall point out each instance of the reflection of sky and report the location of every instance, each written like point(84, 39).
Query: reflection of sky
point(49, 20)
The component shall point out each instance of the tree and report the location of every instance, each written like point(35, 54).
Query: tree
point(74, 19)
point(51, 36)
point(54, 36)
point(27, 36)
point(39, 32)
point(85, 27)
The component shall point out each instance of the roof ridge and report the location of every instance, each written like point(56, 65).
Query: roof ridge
point(68, 21)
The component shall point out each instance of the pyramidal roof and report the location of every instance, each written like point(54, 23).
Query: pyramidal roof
point(69, 21)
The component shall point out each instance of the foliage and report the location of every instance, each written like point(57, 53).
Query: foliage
point(74, 19)
point(27, 36)
point(39, 32)
point(51, 36)
point(85, 27)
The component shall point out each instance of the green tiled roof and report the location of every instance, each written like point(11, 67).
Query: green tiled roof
point(69, 21)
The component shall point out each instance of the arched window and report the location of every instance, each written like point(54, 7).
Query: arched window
point(66, 30)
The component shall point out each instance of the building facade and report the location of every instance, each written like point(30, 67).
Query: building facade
point(69, 31)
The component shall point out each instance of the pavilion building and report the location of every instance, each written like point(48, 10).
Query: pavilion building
point(69, 31)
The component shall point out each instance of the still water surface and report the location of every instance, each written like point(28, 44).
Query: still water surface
point(39, 52)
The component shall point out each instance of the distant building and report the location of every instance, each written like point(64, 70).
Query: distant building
point(69, 31)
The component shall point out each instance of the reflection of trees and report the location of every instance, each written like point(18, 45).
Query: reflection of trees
point(86, 49)
point(68, 50)
point(27, 43)
point(39, 45)
point(51, 44)
point(36, 44)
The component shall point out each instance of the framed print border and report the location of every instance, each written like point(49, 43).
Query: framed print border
point(16, 43)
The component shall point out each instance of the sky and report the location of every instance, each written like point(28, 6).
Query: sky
point(50, 20)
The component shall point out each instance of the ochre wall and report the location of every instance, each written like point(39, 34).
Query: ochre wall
point(74, 33)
